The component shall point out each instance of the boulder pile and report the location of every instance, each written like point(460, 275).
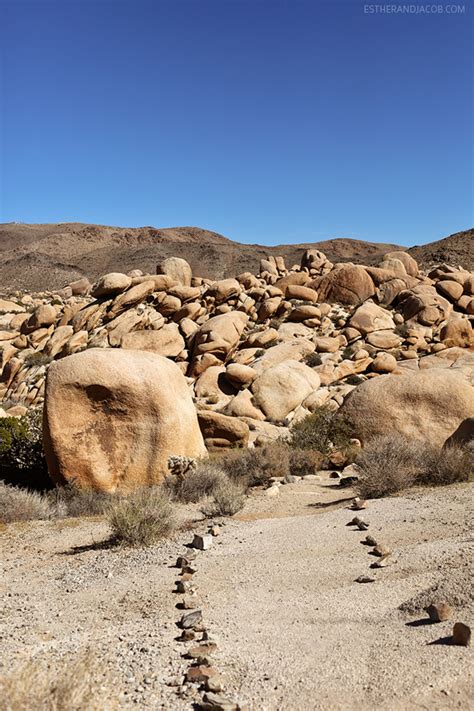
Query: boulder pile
point(255, 352)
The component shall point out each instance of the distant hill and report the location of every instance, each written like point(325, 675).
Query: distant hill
point(37, 257)
point(457, 249)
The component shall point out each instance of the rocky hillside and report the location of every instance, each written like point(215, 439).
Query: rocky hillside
point(35, 257)
point(455, 249)
point(255, 353)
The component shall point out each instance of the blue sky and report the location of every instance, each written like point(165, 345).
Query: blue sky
point(263, 120)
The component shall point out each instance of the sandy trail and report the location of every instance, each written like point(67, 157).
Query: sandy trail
point(296, 631)
point(277, 591)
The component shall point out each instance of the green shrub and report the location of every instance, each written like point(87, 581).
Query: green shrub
point(320, 431)
point(22, 458)
point(37, 358)
point(141, 519)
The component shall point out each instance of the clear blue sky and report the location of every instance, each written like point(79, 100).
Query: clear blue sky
point(266, 121)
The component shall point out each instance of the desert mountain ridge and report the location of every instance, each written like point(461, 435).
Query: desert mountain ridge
point(49, 256)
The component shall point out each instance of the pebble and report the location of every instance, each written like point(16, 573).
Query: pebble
point(203, 542)
point(358, 504)
point(201, 650)
point(183, 586)
point(439, 612)
point(200, 673)
point(188, 602)
point(461, 634)
point(215, 531)
point(365, 579)
point(381, 551)
point(217, 702)
point(187, 635)
point(190, 619)
point(369, 541)
point(272, 491)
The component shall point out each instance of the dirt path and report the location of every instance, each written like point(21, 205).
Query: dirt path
point(277, 591)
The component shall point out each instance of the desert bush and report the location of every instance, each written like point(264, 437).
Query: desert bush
point(304, 461)
point(37, 358)
point(449, 465)
point(22, 458)
point(141, 519)
point(70, 500)
point(196, 484)
point(395, 462)
point(75, 686)
point(255, 467)
point(23, 505)
point(321, 431)
point(228, 498)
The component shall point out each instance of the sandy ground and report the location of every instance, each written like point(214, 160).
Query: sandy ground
point(277, 592)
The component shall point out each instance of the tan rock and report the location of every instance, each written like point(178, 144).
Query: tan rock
point(269, 307)
point(305, 312)
point(450, 289)
point(76, 343)
point(458, 332)
point(167, 342)
point(262, 339)
point(167, 305)
point(240, 375)
point(410, 264)
point(213, 384)
point(58, 340)
point(294, 278)
point(176, 268)
point(327, 344)
point(11, 307)
point(384, 339)
point(242, 406)
point(222, 431)
point(384, 363)
point(113, 417)
point(297, 350)
point(80, 287)
point(370, 317)
point(42, 317)
point(133, 296)
point(281, 388)
point(348, 284)
point(220, 334)
point(113, 283)
point(303, 293)
point(463, 435)
point(224, 289)
point(120, 326)
point(424, 404)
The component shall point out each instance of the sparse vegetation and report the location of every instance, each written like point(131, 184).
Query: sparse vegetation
point(228, 498)
point(37, 358)
point(141, 519)
point(73, 501)
point(304, 461)
point(394, 462)
point(76, 686)
point(321, 431)
point(23, 505)
point(255, 467)
point(196, 484)
point(313, 359)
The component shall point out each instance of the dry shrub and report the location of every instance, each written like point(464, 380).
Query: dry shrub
point(321, 431)
point(394, 462)
point(255, 467)
point(23, 505)
point(449, 465)
point(76, 502)
point(228, 498)
point(389, 464)
point(141, 519)
point(196, 484)
point(75, 686)
point(305, 461)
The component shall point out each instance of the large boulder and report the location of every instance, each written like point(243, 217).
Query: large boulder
point(113, 417)
point(281, 388)
point(176, 268)
point(348, 284)
point(167, 342)
point(223, 431)
point(426, 405)
point(463, 436)
point(220, 334)
point(112, 283)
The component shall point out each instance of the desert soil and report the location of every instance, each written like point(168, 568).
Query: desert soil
point(278, 593)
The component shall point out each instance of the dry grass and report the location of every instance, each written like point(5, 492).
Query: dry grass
point(142, 519)
point(76, 502)
point(196, 484)
point(23, 505)
point(255, 467)
point(394, 462)
point(305, 461)
point(228, 498)
point(75, 686)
